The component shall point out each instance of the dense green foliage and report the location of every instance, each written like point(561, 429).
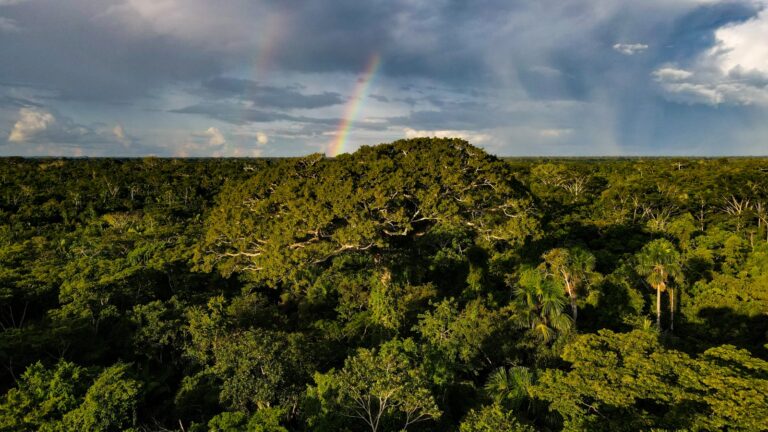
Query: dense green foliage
point(421, 285)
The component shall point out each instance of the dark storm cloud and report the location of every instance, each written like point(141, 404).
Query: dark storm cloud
point(428, 39)
point(269, 96)
point(693, 31)
point(113, 50)
point(586, 66)
point(7, 101)
point(81, 52)
point(234, 113)
point(237, 114)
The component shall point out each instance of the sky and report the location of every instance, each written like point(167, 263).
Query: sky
point(189, 78)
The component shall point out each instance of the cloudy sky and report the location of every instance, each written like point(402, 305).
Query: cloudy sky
point(290, 77)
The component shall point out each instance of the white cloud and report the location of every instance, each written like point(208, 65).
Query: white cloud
point(691, 93)
point(45, 131)
point(214, 143)
point(472, 137)
point(210, 142)
point(714, 91)
point(119, 132)
point(555, 133)
point(671, 74)
point(30, 123)
point(743, 45)
point(244, 136)
point(630, 49)
point(122, 137)
point(215, 137)
point(734, 71)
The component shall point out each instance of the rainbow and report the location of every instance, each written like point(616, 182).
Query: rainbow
point(269, 37)
point(336, 146)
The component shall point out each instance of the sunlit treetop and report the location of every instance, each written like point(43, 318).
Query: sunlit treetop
point(299, 214)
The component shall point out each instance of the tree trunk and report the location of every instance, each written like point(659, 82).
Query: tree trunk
point(572, 297)
point(671, 309)
point(574, 309)
point(658, 307)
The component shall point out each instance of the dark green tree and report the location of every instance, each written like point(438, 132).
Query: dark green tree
point(539, 305)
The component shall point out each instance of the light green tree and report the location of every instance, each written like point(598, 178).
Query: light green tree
point(42, 396)
point(492, 418)
point(612, 376)
point(263, 420)
point(459, 336)
point(109, 404)
point(383, 388)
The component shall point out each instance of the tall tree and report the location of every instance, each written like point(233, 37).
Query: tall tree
point(573, 267)
point(291, 218)
point(659, 262)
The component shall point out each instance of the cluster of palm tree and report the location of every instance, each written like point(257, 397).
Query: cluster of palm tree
point(543, 292)
point(511, 388)
point(575, 269)
point(659, 263)
point(540, 304)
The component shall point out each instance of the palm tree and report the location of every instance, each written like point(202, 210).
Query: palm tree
point(540, 303)
point(510, 387)
point(573, 267)
point(659, 262)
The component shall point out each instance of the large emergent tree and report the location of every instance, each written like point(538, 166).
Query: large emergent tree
point(292, 217)
point(659, 262)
